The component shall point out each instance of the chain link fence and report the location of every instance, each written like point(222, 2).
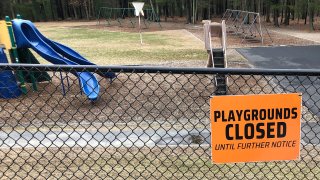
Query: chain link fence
point(147, 123)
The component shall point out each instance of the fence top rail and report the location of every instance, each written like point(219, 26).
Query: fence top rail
point(122, 8)
point(241, 11)
point(114, 8)
point(159, 69)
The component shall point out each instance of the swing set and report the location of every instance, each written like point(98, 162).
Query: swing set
point(245, 24)
point(120, 15)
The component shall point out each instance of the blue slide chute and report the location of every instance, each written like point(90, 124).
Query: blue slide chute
point(27, 36)
point(71, 54)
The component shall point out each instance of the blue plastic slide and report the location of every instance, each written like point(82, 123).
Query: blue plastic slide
point(27, 36)
point(71, 54)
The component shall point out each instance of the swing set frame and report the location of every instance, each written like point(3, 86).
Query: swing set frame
point(121, 14)
point(245, 24)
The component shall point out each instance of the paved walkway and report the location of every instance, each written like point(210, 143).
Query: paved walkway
point(133, 138)
point(102, 138)
point(311, 36)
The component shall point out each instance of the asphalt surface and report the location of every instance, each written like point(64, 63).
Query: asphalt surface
point(293, 57)
point(290, 57)
point(283, 57)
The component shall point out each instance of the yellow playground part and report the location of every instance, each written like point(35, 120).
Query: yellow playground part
point(4, 35)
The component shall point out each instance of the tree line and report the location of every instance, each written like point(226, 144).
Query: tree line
point(275, 11)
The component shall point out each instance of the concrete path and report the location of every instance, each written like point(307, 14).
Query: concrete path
point(310, 133)
point(310, 36)
point(94, 138)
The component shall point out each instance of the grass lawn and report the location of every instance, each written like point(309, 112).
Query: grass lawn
point(121, 48)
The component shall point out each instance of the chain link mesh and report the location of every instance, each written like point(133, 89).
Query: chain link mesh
point(146, 124)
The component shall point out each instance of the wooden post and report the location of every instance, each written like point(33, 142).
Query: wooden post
point(212, 30)
point(207, 41)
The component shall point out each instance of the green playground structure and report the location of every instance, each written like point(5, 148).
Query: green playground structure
point(17, 37)
point(121, 14)
point(20, 55)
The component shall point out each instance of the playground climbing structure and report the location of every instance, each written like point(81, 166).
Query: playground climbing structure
point(215, 36)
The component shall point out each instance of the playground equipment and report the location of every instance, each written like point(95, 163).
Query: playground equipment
point(8, 84)
point(20, 56)
point(7, 40)
point(27, 36)
point(245, 24)
point(121, 14)
point(217, 56)
point(20, 35)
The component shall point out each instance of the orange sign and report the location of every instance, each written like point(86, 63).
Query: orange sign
point(255, 128)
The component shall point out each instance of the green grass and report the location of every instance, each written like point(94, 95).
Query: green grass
point(112, 48)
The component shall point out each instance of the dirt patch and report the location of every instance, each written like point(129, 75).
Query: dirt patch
point(175, 24)
point(309, 36)
point(130, 97)
point(157, 163)
point(233, 41)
